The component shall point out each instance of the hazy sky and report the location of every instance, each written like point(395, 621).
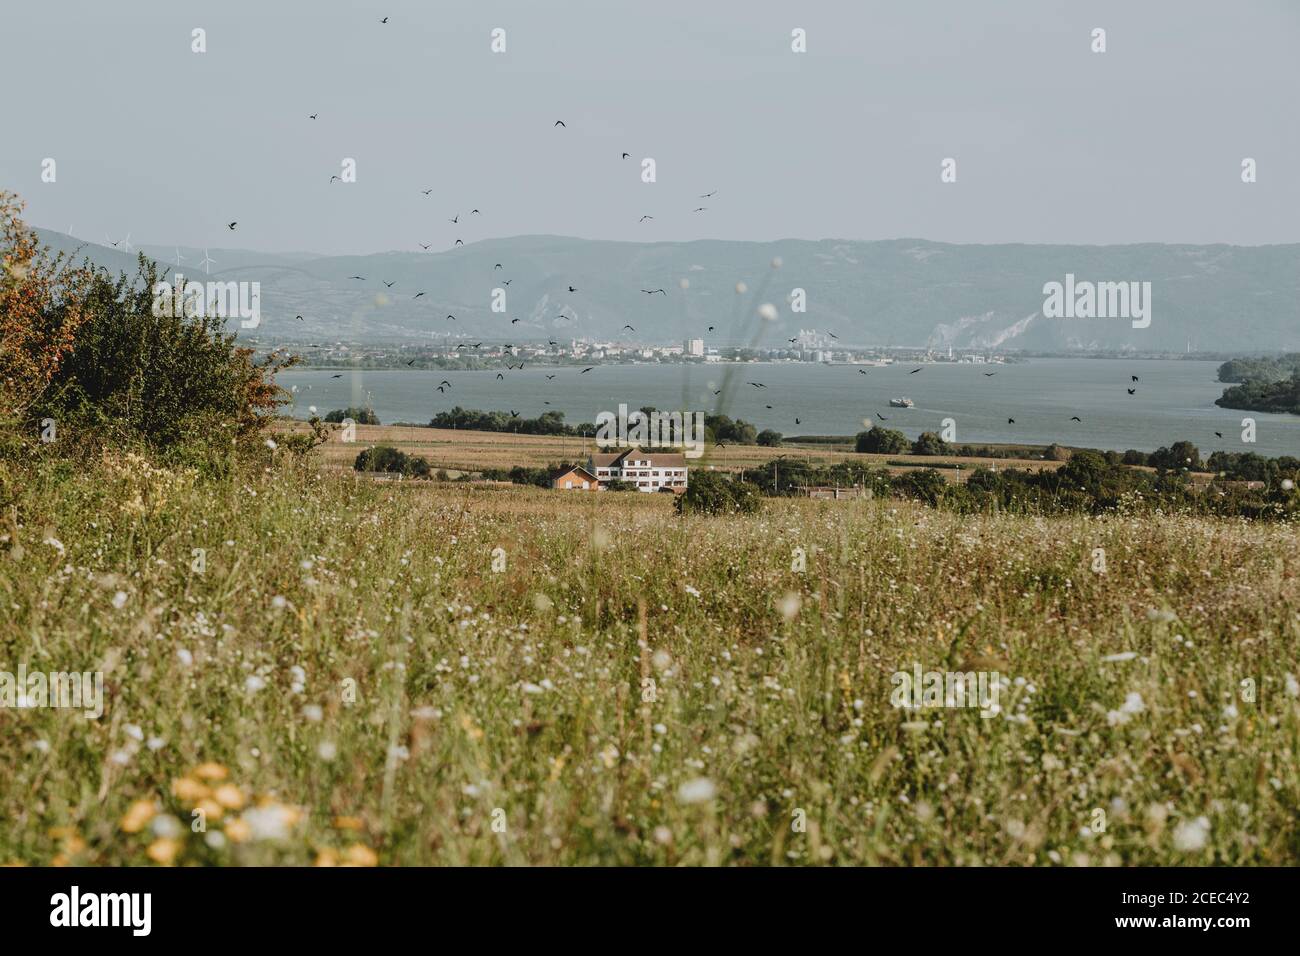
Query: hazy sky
point(1054, 143)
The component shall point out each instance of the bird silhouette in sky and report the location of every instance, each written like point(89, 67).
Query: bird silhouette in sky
point(797, 422)
point(644, 218)
point(653, 291)
point(508, 281)
point(497, 266)
point(313, 115)
point(559, 123)
point(459, 242)
point(450, 316)
point(1134, 377)
point(626, 155)
point(332, 178)
point(500, 377)
point(758, 384)
point(410, 363)
point(513, 321)
point(339, 375)
point(456, 219)
point(586, 370)
point(700, 209)
point(1076, 418)
point(717, 391)
point(427, 191)
point(298, 317)
point(362, 278)
point(445, 382)
point(232, 226)
point(549, 377)
point(914, 371)
point(572, 289)
point(710, 328)
point(1132, 391)
point(989, 374)
point(385, 20)
point(709, 195)
point(629, 328)
point(832, 334)
point(441, 389)
point(425, 245)
point(417, 295)
point(862, 371)
point(389, 284)
point(881, 417)
point(1218, 434)
point(1011, 421)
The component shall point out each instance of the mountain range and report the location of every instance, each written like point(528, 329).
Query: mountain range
point(902, 292)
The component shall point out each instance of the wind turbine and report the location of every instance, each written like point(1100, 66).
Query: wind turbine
point(207, 261)
point(126, 243)
point(179, 258)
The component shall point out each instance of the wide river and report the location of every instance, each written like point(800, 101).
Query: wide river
point(1173, 400)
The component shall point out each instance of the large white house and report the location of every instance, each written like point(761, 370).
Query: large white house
point(649, 471)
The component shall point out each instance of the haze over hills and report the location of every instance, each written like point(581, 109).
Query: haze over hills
point(904, 292)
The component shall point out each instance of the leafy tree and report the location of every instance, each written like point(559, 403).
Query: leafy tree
point(928, 443)
point(386, 458)
point(769, 438)
point(362, 416)
point(711, 493)
point(882, 441)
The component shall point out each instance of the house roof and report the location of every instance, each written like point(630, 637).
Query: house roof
point(605, 459)
point(575, 470)
point(656, 459)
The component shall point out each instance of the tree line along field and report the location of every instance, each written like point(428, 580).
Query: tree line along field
point(458, 451)
point(439, 674)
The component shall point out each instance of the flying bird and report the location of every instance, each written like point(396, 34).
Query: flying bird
point(410, 363)
point(881, 417)
point(339, 375)
point(644, 218)
point(758, 384)
point(586, 370)
point(232, 225)
point(417, 295)
point(362, 278)
point(513, 321)
point(453, 318)
point(1134, 377)
point(549, 377)
point(700, 209)
point(456, 219)
point(427, 191)
point(572, 289)
point(629, 328)
point(914, 371)
point(508, 281)
point(441, 389)
point(385, 20)
point(425, 246)
point(1218, 434)
point(298, 317)
point(989, 374)
point(559, 123)
point(389, 284)
point(626, 155)
point(653, 291)
point(862, 371)
point(332, 178)
point(500, 377)
point(459, 242)
point(1076, 418)
point(708, 195)
point(797, 422)
point(1011, 421)
point(497, 266)
point(313, 116)
point(1132, 391)
point(475, 212)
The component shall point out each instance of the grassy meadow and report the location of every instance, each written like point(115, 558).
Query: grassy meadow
point(348, 671)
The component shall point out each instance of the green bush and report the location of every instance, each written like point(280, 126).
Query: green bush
point(711, 493)
point(928, 443)
point(882, 441)
point(362, 416)
point(389, 459)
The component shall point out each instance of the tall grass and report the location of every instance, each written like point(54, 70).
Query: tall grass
point(349, 680)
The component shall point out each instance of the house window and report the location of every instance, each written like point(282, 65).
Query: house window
point(585, 486)
point(568, 484)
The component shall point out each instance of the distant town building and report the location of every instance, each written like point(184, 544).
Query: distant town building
point(648, 471)
point(694, 348)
